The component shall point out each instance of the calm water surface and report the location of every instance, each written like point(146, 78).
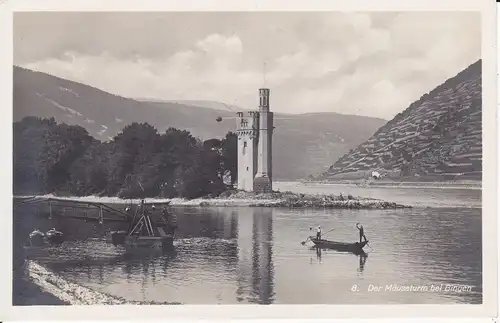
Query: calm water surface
point(255, 255)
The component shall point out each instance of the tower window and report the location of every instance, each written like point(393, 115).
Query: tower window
point(244, 147)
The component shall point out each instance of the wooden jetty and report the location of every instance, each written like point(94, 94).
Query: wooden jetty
point(147, 225)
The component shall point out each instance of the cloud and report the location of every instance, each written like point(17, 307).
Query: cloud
point(372, 64)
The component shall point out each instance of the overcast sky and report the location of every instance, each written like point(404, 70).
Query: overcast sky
point(372, 64)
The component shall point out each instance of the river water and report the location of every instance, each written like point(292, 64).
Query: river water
point(254, 255)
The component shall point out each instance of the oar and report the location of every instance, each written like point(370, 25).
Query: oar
point(327, 232)
point(365, 237)
point(368, 244)
point(304, 242)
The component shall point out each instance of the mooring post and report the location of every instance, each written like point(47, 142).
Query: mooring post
point(50, 210)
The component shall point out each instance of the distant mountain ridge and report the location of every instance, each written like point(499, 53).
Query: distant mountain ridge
point(303, 144)
point(198, 103)
point(437, 137)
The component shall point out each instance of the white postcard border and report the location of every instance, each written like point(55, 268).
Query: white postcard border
point(125, 312)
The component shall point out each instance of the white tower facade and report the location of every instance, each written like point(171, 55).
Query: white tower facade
point(248, 137)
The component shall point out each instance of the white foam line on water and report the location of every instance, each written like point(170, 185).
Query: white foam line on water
point(71, 293)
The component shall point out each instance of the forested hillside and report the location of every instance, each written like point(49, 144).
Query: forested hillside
point(138, 162)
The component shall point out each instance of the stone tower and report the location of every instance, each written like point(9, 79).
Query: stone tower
point(255, 130)
point(248, 137)
point(263, 179)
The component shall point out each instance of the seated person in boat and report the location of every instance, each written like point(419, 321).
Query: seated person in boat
point(361, 232)
point(36, 232)
point(36, 238)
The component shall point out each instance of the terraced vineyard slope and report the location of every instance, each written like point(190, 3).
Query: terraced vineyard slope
point(438, 137)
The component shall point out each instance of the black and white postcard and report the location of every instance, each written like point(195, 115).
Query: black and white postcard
point(276, 160)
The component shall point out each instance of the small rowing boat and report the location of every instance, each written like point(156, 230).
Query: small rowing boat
point(339, 246)
point(51, 238)
point(54, 237)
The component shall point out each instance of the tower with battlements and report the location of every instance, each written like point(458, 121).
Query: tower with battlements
point(255, 131)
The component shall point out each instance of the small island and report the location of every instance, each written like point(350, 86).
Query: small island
point(292, 200)
point(238, 198)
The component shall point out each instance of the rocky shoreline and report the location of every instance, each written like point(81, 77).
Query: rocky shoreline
point(298, 200)
point(69, 293)
point(235, 198)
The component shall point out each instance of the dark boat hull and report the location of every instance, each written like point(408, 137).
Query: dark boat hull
point(55, 238)
point(355, 247)
point(48, 239)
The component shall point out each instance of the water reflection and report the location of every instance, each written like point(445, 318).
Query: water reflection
point(362, 261)
point(262, 256)
point(253, 255)
point(255, 267)
point(318, 254)
point(361, 256)
point(213, 248)
point(215, 223)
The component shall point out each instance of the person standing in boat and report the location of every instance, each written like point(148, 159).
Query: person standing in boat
point(361, 232)
point(171, 220)
point(318, 233)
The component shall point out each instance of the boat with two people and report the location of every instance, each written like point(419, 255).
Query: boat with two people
point(353, 247)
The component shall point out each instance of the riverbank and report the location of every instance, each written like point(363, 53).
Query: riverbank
point(386, 183)
point(43, 287)
point(235, 198)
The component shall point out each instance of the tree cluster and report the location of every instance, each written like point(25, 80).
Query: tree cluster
point(139, 162)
